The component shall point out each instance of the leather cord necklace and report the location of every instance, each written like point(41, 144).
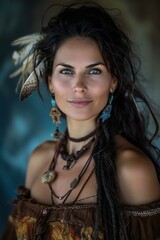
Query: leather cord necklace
point(73, 184)
point(73, 157)
point(91, 134)
point(50, 176)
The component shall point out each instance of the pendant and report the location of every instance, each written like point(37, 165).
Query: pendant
point(69, 165)
point(74, 183)
point(48, 176)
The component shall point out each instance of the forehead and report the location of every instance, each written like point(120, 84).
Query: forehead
point(78, 49)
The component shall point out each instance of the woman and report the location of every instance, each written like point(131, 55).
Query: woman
point(100, 179)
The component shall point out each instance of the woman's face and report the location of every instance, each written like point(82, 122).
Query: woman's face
point(80, 79)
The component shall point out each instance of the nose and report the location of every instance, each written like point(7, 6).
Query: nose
point(79, 89)
point(80, 86)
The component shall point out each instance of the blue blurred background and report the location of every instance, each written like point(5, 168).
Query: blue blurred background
point(24, 125)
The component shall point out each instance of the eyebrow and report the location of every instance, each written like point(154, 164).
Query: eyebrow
point(89, 66)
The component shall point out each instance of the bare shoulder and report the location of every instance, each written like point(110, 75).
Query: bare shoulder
point(39, 159)
point(136, 174)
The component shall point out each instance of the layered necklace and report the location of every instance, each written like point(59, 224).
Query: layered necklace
point(71, 159)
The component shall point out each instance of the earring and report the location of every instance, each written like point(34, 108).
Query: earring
point(55, 115)
point(107, 110)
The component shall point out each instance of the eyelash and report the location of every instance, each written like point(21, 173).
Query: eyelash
point(94, 71)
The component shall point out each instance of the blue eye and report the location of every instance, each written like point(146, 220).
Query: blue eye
point(66, 71)
point(95, 71)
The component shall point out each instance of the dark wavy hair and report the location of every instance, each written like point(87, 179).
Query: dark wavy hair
point(127, 118)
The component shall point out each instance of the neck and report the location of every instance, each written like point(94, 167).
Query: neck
point(79, 129)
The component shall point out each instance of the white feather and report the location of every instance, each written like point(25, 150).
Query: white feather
point(32, 38)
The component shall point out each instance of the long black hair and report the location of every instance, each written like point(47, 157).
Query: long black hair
point(93, 21)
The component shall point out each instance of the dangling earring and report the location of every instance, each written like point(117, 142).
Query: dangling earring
point(55, 115)
point(107, 111)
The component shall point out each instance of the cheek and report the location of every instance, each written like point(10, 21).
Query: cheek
point(61, 94)
point(101, 91)
point(101, 95)
point(59, 87)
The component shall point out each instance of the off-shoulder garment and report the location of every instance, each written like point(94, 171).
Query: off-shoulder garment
point(31, 220)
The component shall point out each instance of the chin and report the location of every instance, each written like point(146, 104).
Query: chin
point(83, 118)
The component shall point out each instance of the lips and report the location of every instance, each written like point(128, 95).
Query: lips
point(80, 103)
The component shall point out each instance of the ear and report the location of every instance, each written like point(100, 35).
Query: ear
point(114, 84)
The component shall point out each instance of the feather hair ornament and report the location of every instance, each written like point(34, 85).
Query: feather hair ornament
point(24, 57)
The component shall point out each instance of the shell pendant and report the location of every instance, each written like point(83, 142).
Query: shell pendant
point(49, 176)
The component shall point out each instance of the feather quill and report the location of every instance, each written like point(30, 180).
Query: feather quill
point(31, 82)
point(24, 58)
